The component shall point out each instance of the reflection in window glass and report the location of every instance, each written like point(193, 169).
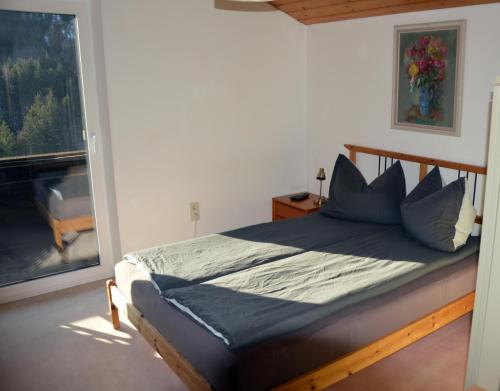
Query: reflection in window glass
point(46, 217)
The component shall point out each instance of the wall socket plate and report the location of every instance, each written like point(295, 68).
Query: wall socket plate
point(194, 209)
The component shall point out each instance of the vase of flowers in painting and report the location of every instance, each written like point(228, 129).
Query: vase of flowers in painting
point(426, 70)
point(424, 101)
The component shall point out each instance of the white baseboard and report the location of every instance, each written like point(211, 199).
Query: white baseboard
point(53, 283)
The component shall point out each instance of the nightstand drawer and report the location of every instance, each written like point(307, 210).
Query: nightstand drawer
point(284, 208)
point(286, 212)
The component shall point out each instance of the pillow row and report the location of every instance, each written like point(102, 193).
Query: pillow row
point(439, 217)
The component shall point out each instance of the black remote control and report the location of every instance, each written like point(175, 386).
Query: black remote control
point(299, 196)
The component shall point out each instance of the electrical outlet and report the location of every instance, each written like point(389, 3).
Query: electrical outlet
point(194, 209)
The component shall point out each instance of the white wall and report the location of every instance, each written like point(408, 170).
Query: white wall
point(205, 105)
point(210, 105)
point(349, 88)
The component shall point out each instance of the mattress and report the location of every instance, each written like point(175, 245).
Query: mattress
point(262, 302)
point(273, 362)
point(190, 262)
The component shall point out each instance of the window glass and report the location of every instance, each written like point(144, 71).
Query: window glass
point(47, 225)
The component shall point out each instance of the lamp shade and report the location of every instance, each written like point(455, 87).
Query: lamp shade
point(320, 176)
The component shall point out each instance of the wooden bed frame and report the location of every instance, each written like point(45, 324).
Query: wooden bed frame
point(342, 367)
point(60, 227)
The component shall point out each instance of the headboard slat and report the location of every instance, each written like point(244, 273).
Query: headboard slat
point(422, 171)
point(352, 155)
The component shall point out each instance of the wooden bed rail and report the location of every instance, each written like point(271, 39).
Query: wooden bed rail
point(424, 163)
point(360, 359)
point(118, 304)
point(317, 379)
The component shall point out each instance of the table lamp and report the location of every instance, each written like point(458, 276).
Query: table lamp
point(320, 176)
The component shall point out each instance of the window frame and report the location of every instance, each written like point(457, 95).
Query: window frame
point(90, 54)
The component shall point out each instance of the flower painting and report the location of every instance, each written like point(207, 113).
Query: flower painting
point(428, 77)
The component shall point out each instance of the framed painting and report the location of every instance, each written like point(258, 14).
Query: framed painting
point(428, 73)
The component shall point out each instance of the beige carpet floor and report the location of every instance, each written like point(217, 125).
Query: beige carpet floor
point(64, 341)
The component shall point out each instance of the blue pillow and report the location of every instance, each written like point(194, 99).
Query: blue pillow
point(351, 198)
point(439, 217)
point(431, 183)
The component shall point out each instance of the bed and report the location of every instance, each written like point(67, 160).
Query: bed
point(303, 339)
point(63, 199)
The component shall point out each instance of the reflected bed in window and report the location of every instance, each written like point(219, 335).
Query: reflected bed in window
point(63, 198)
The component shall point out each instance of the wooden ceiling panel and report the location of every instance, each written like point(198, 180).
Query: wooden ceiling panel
point(322, 11)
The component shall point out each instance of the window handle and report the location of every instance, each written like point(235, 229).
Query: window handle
point(93, 142)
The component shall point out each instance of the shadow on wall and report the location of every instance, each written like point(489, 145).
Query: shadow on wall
point(243, 6)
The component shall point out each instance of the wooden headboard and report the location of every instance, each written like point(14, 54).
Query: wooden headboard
point(424, 163)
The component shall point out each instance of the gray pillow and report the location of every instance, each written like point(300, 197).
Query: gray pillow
point(351, 198)
point(431, 183)
point(439, 217)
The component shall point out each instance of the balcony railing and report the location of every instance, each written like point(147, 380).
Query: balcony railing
point(41, 159)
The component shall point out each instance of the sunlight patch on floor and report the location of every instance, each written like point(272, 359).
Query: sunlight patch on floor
point(119, 341)
point(103, 340)
point(100, 325)
point(99, 329)
point(157, 355)
point(81, 332)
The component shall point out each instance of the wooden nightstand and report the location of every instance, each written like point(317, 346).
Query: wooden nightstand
point(284, 208)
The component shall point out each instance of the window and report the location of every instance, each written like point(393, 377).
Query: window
point(47, 223)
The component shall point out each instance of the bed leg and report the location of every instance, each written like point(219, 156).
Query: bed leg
point(113, 310)
point(57, 235)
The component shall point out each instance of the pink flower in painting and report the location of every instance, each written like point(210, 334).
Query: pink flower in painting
point(439, 64)
point(422, 66)
point(424, 41)
point(425, 61)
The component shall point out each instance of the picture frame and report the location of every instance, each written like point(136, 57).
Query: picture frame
point(428, 77)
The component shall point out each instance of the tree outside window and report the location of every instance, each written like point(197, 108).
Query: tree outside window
point(39, 91)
